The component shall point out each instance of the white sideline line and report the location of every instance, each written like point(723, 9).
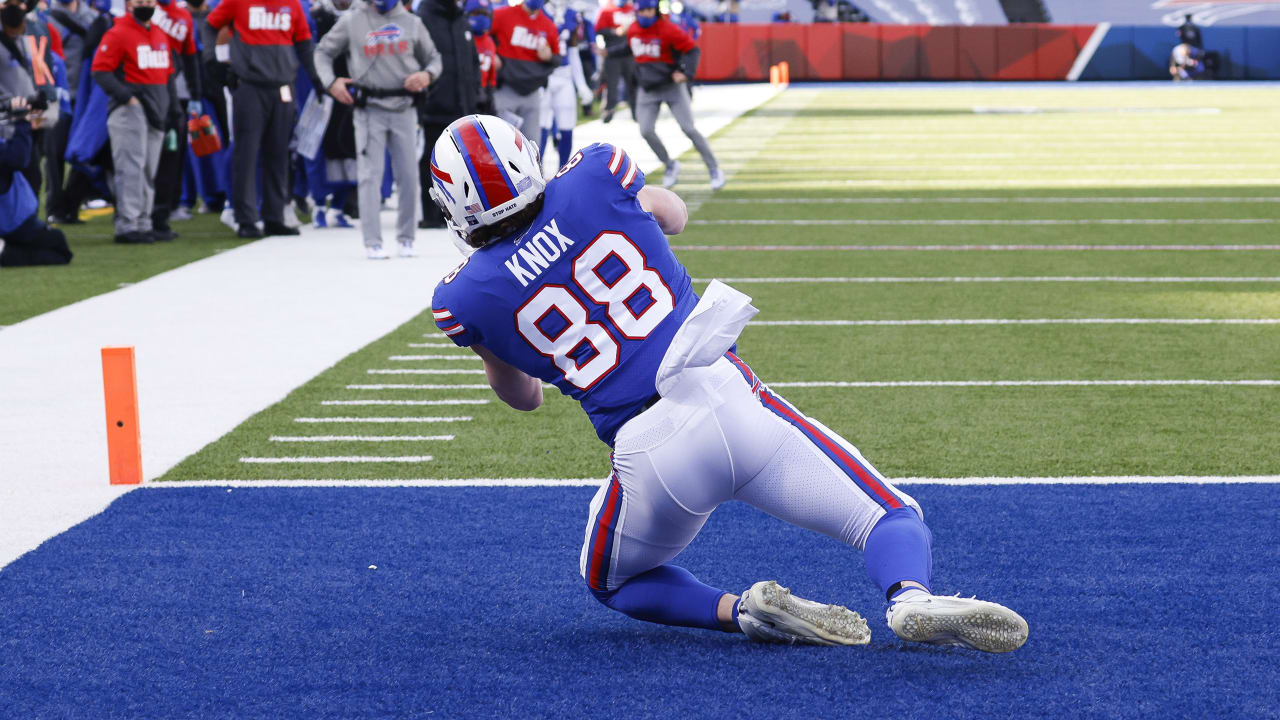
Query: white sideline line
point(594, 482)
point(357, 438)
point(992, 200)
point(434, 357)
point(399, 371)
point(461, 418)
point(1086, 52)
point(992, 222)
point(437, 345)
point(404, 402)
point(404, 386)
point(980, 248)
point(1027, 279)
point(335, 459)
point(1031, 321)
point(1016, 383)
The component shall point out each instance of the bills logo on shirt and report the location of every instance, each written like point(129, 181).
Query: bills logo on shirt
point(521, 37)
point(640, 48)
point(172, 28)
point(262, 19)
point(150, 58)
point(385, 41)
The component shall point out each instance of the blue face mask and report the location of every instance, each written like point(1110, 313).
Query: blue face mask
point(645, 22)
point(385, 6)
point(534, 5)
point(479, 23)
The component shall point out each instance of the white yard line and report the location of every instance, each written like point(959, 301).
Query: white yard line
point(1101, 200)
point(335, 459)
point(446, 345)
point(404, 402)
point(402, 358)
point(978, 248)
point(410, 386)
point(232, 485)
point(1017, 383)
point(1027, 321)
point(358, 438)
point(910, 222)
point(462, 418)
point(415, 371)
point(1026, 279)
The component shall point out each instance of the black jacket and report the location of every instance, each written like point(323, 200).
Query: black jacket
point(455, 93)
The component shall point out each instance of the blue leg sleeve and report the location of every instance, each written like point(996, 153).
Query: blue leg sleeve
point(899, 548)
point(667, 595)
point(564, 144)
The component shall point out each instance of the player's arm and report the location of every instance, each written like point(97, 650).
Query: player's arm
point(512, 385)
point(666, 207)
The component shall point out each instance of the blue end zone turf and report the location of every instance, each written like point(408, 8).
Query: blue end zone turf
point(1152, 601)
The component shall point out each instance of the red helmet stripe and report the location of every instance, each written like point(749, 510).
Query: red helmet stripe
point(486, 166)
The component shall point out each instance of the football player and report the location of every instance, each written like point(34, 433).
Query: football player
point(572, 282)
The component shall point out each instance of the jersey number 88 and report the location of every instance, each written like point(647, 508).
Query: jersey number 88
point(562, 346)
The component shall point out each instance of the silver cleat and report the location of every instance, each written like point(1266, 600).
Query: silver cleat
point(769, 613)
point(966, 622)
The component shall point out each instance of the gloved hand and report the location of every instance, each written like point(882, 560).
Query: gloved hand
point(195, 107)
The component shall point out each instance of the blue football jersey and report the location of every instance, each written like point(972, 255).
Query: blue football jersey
point(588, 298)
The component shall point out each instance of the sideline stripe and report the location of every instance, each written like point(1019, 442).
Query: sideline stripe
point(404, 402)
point(461, 418)
point(1030, 321)
point(1015, 383)
point(1055, 248)
point(395, 386)
point(991, 221)
point(1028, 279)
point(336, 459)
point(357, 438)
point(1086, 52)
point(1109, 200)
point(384, 371)
point(596, 482)
point(435, 357)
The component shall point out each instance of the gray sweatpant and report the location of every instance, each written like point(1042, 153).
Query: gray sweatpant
point(676, 96)
point(378, 131)
point(135, 151)
point(528, 108)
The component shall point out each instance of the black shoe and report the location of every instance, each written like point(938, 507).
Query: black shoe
point(65, 220)
point(273, 228)
point(250, 232)
point(136, 237)
point(607, 115)
point(163, 235)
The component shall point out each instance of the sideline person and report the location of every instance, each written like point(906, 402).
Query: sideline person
point(24, 239)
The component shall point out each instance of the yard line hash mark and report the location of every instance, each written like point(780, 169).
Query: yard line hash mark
point(434, 357)
point(416, 371)
point(336, 459)
point(461, 418)
point(358, 438)
point(405, 402)
point(409, 386)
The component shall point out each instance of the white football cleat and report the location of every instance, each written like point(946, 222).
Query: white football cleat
point(672, 175)
point(769, 613)
point(966, 622)
point(376, 252)
point(718, 179)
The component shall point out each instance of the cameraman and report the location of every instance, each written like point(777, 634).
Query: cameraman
point(24, 240)
point(392, 60)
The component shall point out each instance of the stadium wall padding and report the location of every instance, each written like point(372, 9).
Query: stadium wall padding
point(863, 51)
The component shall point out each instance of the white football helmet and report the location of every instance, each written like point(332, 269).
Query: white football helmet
point(483, 170)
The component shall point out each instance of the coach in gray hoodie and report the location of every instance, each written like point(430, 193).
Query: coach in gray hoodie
point(391, 59)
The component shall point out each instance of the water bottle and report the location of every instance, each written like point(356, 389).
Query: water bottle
point(171, 140)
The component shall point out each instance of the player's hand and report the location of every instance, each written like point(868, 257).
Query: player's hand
point(17, 103)
point(679, 77)
point(417, 82)
point(134, 101)
point(339, 91)
point(497, 63)
point(544, 50)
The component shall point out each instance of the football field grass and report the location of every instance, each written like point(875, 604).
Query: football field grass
point(1062, 283)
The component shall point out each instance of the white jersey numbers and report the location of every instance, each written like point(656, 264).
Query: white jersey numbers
point(612, 272)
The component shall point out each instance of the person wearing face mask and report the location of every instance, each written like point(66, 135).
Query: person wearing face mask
point(28, 65)
point(455, 94)
point(391, 61)
point(71, 19)
point(529, 45)
point(133, 66)
point(24, 240)
point(180, 29)
point(480, 19)
point(619, 67)
point(666, 60)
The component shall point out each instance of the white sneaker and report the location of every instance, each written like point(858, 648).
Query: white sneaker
point(406, 250)
point(769, 613)
point(181, 214)
point(967, 622)
point(718, 179)
point(672, 175)
point(376, 252)
point(228, 218)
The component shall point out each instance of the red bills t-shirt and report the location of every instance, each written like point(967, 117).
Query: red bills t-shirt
point(655, 43)
point(614, 17)
point(176, 22)
point(518, 34)
point(488, 52)
point(263, 22)
point(142, 52)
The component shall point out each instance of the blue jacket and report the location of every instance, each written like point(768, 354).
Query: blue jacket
point(17, 201)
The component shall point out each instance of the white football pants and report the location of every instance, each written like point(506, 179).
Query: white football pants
point(727, 437)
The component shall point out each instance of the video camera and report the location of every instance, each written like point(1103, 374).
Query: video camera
point(35, 103)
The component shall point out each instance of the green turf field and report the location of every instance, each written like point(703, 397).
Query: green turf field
point(1101, 219)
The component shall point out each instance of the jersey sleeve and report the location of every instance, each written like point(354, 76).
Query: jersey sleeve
point(614, 161)
point(678, 39)
point(448, 306)
point(222, 15)
point(109, 54)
